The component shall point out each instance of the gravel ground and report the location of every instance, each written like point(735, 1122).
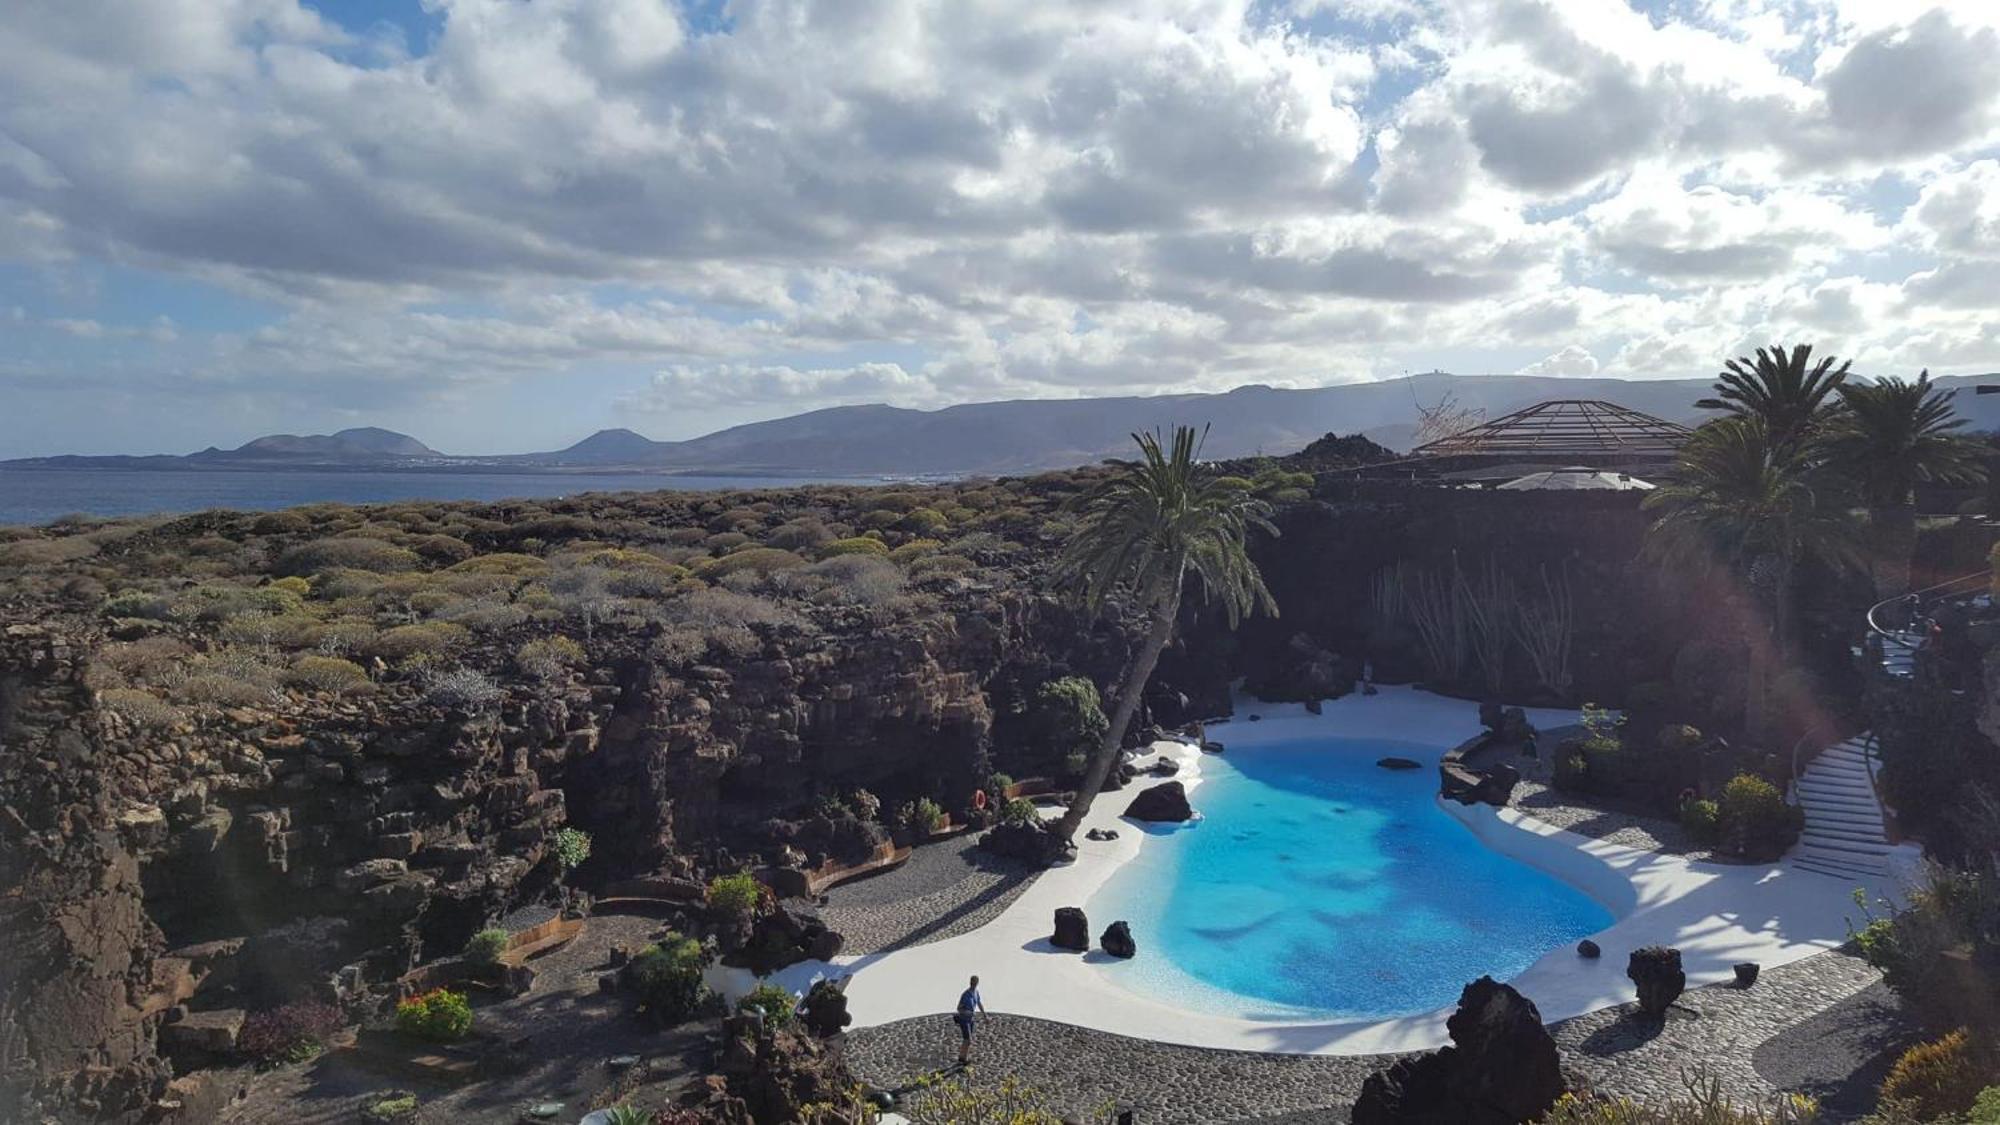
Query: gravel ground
point(944, 890)
point(1612, 1051)
point(572, 1029)
point(1537, 797)
point(1841, 1055)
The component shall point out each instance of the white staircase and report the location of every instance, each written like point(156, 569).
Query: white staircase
point(1844, 834)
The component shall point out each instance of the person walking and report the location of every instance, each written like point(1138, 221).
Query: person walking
point(969, 1002)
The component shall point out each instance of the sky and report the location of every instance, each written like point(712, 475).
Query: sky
point(501, 225)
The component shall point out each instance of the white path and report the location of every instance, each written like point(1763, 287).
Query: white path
point(1716, 914)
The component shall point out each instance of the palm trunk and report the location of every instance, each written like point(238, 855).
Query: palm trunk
point(1893, 535)
point(1129, 694)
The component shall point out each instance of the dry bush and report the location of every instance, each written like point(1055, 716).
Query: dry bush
point(328, 673)
point(504, 562)
point(426, 639)
point(359, 553)
point(139, 707)
point(860, 579)
point(46, 552)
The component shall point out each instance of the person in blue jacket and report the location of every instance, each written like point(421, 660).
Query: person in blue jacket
point(968, 1003)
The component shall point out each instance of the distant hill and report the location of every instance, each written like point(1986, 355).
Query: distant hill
point(1000, 437)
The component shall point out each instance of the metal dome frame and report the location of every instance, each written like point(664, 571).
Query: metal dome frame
point(1569, 430)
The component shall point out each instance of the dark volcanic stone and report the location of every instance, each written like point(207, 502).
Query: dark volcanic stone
point(1656, 969)
point(1072, 929)
point(1501, 1068)
point(1101, 834)
point(1117, 940)
point(1211, 747)
point(1164, 802)
point(1398, 764)
point(1746, 973)
point(1588, 948)
point(826, 1009)
point(1031, 842)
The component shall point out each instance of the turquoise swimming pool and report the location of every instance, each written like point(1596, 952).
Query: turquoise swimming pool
point(1319, 885)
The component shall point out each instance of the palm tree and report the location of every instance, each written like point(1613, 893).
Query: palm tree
point(1746, 504)
point(1892, 435)
point(1144, 531)
point(1783, 388)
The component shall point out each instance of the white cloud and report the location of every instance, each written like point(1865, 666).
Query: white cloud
point(924, 201)
point(1572, 360)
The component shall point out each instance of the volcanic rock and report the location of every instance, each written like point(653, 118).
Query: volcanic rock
point(1072, 929)
point(1117, 940)
point(1500, 1069)
point(1656, 970)
point(1164, 802)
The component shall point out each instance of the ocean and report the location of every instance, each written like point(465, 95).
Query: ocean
point(34, 496)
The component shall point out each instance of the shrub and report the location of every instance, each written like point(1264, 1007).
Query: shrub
point(328, 673)
point(462, 689)
point(667, 976)
point(735, 894)
point(572, 847)
point(483, 949)
point(777, 1004)
point(138, 707)
point(627, 1115)
point(1702, 820)
point(1986, 1107)
point(1020, 810)
point(760, 560)
point(428, 638)
point(1065, 717)
point(137, 603)
point(502, 562)
point(281, 523)
point(395, 1107)
point(371, 555)
point(290, 1032)
point(440, 1015)
point(1753, 816)
point(921, 815)
point(859, 545)
point(866, 805)
point(1936, 1079)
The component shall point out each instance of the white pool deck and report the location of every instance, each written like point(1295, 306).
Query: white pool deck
point(1716, 914)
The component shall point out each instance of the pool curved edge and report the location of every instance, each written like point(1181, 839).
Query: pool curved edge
point(1716, 914)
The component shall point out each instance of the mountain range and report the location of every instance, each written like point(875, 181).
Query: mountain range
point(991, 437)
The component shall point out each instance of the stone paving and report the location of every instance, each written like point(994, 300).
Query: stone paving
point(1612, 1051)
point(944, 890)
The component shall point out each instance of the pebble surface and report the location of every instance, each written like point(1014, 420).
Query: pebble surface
point(944, 890)
point(1613, 1051)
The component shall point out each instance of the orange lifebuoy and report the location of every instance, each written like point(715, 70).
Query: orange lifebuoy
point(979, 799)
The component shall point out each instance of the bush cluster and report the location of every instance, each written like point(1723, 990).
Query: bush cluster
point(483, 949)
point(291, 1032)
point(440, 1015)
point(735, 894)
point(775, 1003)
point(667, 975)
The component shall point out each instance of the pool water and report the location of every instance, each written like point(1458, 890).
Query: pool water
point(1320, 885)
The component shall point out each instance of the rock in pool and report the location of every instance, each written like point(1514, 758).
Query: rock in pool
point(1398, 764)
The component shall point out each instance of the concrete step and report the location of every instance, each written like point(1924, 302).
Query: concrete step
point(1836, 789)
point(1837, 870)
point(1855, 860)
point(1845, 845)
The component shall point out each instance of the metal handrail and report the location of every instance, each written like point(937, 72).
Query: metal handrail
point(1901, 640)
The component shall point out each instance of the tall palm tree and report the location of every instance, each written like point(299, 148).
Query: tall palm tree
point(1145, 530)
point(1893, 435)
point(1783, 388)
point(1744, 503)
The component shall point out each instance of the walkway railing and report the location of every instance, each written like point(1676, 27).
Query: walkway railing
point(1899, 646)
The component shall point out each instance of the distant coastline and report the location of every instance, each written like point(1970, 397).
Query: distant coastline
point(33, 494)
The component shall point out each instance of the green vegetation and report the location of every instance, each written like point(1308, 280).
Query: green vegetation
point(572, 847)
point(735, 894)
point(777, 1004)
point(923, 816)
point(1753, 818)
point(667, 976)
point(395, 1107)
point(1143, 531)
point(483, 949)
point(440, 1015)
